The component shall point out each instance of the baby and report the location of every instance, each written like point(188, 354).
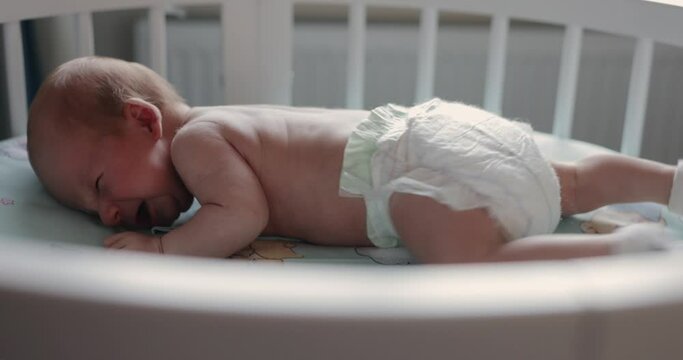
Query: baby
point(450, 182)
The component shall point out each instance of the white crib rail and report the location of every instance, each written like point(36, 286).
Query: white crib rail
point(257, 39)
point(566, 87)
point(495, 73)
point(14, 58)
point(257, 67)
point(637, 97)
point(86, 38)
point(426, 61)
point(157, 32)
point(355, 69)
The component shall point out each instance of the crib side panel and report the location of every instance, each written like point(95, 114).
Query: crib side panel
point(257, 45)
point(629, 17)
point(638, 18)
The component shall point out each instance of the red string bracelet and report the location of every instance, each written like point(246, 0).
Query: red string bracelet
point(161, 244)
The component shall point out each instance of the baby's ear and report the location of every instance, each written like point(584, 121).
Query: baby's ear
point(143, 114)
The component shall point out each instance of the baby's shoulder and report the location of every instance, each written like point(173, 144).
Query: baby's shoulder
point(207, 128)
point(197, 126)
point(193, 133)
point(212, 123)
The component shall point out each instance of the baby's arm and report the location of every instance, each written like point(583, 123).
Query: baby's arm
point(233, 206)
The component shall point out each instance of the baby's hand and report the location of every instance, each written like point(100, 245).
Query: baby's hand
point(130, 240)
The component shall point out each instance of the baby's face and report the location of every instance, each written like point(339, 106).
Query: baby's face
point(126, 180)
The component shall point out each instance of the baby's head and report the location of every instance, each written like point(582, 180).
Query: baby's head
point(99, 134)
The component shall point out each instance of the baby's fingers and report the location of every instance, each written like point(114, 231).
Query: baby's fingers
point(114, 241)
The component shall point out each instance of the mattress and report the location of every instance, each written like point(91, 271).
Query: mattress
point(29, 213)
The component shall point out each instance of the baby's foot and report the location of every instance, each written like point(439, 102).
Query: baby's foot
point(644, 237)
point(676, 197)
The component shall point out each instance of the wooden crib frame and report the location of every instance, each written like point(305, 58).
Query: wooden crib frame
point(71, 304)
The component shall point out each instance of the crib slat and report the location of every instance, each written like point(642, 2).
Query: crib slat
point(355, 69)
point(566, 87)
point(157, 38)
point(86, 39)
point(240, 55)
point(426, 62)
point(16, 80)
point(276, 50)
point(257, 51)
point(495, 75)
point(637, 97)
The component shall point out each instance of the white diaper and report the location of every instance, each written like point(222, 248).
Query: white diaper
point(459, 155)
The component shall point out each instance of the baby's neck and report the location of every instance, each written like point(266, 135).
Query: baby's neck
point(175, 115)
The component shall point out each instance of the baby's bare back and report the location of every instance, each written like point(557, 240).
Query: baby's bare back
point(296, 154)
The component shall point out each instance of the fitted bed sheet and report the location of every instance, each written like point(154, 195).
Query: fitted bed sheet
point(29, 213)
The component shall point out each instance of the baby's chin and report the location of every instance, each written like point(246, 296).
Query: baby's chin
point(164, 222)
point(148, 226)
point(163, 218)
point(174, 207)
point(182, 206)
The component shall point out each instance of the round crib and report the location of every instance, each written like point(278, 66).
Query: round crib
point(81, 302)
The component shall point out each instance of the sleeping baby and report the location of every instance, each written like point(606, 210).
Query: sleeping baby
point(448, 181)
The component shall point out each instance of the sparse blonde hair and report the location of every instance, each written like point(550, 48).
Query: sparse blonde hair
point(99, 86)
point(89, 93)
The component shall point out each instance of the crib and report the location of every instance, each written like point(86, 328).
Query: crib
point(72, 301)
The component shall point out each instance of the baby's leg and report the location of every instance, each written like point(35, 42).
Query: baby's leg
point(608, 179)
point(436, 234)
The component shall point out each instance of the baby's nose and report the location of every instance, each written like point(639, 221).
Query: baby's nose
point(110, 214)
